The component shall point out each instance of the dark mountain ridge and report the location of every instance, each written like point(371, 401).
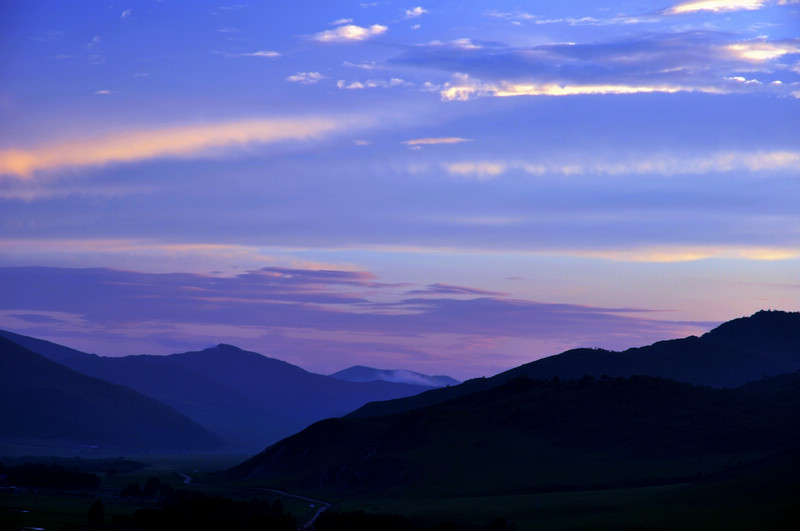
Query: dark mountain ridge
point(732, 354)
point(47, 404)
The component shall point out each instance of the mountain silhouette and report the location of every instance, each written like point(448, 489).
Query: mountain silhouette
point(48, 405)
point(248, 399)
point(736, 352)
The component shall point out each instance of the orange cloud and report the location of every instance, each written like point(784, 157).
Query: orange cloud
point(183, 141)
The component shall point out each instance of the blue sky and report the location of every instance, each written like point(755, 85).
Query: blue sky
point(442, 187)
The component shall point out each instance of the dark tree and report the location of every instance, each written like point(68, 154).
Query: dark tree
point(96, 513)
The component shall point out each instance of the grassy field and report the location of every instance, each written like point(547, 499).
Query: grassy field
point(765, 496)
point(48, 509)
point(761, 496)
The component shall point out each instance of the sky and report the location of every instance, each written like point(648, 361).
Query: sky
point(444, 187)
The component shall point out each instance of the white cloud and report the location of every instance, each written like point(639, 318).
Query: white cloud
point(464, 88)
point(103, 92)
point(306, 78)
point(349, 33)
point(415, 12)
point(353, 85)
point(125, 14)
point(373, 83)
point(363, 65)
point(263, 53)
point(480, 170)
point(342, 21)
point(258, 53)
point(760, 50)
point(716, 6)
point(466, 44)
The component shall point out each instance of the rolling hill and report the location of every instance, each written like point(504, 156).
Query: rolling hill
point(539, 435)
point(45, 404)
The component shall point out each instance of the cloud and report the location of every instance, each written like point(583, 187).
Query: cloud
point(185, 141)
point(519, 17)
point(349, 33)
point(679, 253)
point(363, 65)
point(415, 12)
point(373, 83)
point(448, 289)
point(306, 78)
point(351, 309)
point(723, 161)
point(125, 14)
point(258, 53)
point(480, 169)
point(761, 50)
point(464, 88)
point(695, 61)
point(434, 141)
point(716, 6)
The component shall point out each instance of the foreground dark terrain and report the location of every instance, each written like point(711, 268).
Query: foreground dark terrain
point(697, 433)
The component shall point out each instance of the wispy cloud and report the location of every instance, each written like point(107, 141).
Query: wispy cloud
point(434, 141)
point(727, 161)
point(186, 141)
point(306, 78)
point(373, 83)
point(519, 17)
point(682, 253)
point(258, 53)
point(464, 88)
point(349, 33)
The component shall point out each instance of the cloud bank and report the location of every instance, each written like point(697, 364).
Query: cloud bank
point(694, 61)
point(351, 308)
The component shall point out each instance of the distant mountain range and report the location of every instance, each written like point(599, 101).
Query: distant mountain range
point(359, 373)
point(45, 404)
point(579, 420)
point(248, 399)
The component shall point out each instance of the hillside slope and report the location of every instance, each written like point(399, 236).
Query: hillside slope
point(44, 403)
point(739, 351)
point(535, 435)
